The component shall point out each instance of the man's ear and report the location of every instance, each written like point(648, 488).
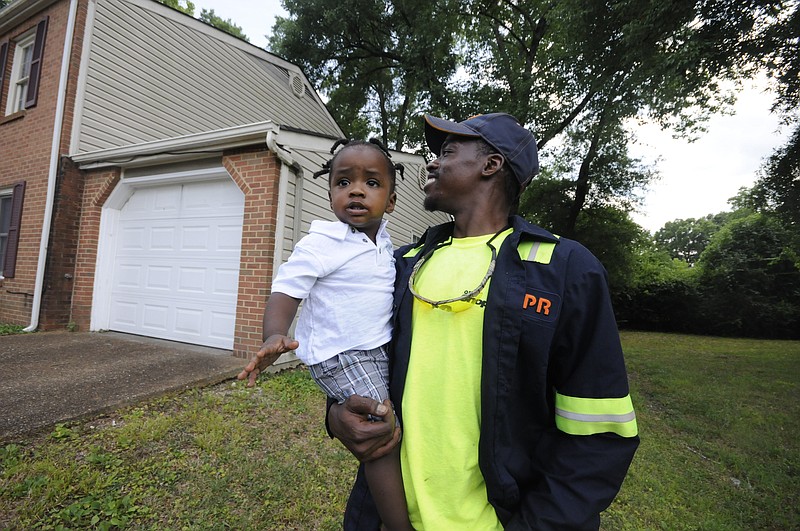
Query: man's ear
point(493, 164)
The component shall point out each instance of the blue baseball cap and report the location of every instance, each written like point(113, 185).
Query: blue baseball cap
point(500, 130)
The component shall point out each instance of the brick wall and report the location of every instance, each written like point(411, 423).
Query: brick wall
point(70, 269)
point(258, 175)
point(63, 242)
point(62, 248)
point(25, 155)
point(98, 184)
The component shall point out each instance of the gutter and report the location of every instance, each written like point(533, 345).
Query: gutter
point(53, 172)
point(171, 148)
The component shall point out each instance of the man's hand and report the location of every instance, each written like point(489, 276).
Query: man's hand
point(270, 351)
point(366, 439)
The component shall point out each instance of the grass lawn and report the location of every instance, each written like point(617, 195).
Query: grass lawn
point(718, 420)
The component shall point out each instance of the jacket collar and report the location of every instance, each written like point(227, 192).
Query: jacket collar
point(439, 233)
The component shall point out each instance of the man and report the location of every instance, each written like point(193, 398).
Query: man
point(507, 373)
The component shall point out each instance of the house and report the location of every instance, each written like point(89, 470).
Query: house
point(155, 171)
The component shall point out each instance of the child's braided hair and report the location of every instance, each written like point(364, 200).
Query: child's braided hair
point(372, 142)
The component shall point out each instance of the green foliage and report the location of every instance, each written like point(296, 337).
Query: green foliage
point(226, 25)
point(222, 457)
point(686, 239)
point(207, 16)
point(750, 275)
point(575, 71)
point(660, 294)
point(612, 236)
point(546, 201)
point(9, 329)
point(718, 419)
point(379, 64)
point(185, 6)
point(778, 188)
point(745, 282)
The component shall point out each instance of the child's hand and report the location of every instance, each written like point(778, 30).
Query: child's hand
point(270, 351)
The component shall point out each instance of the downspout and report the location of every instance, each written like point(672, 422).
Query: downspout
point(283, 154)
point(287, 163)
point(53, 173)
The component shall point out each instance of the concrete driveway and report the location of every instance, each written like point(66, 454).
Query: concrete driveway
point(52, 377)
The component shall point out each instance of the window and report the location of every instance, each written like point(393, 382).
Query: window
point(5, 222)
point(20, 74)
point(10, 218)
point(26, 60)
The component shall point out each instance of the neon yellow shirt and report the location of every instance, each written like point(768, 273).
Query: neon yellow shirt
point(439, 453)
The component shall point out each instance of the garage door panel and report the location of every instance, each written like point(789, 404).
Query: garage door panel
point(225, 282)
point(164, 318)
point(155, 317)
point(133, 238)
point(189, 321)
point(158, 278)
point(221, 324)
point(195, 238)
point(228, 238)
point(162, 238)
point(129, 276)
point(192, 280)
point(208, 235)
point(214, 281)
point(176, 270)
point(217, 197)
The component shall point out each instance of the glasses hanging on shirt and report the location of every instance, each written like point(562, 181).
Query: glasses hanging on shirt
point(465, 301)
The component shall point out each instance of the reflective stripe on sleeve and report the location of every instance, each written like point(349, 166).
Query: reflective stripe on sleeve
point(588, 416)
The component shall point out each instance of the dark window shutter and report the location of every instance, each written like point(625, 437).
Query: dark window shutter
point(10, 262)
point(3, 59)
point(36, 64)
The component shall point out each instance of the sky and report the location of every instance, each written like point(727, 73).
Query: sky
point(697, 178)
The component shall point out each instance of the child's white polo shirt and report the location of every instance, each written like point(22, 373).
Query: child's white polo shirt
point(346, 283)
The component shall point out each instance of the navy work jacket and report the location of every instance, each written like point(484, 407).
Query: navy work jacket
point(537, 476)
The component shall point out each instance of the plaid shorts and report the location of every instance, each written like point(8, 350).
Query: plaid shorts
point(354, 372)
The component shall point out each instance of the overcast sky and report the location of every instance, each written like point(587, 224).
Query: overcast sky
point(696, 178)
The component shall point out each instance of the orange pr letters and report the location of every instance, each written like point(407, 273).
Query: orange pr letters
point(542, 307)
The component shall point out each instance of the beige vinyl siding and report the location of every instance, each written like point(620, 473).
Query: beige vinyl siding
point(408, 220)
point(154, 73)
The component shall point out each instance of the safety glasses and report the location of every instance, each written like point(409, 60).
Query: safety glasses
point(462, 302)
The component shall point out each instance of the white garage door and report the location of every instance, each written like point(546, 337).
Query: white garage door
point(176, 263)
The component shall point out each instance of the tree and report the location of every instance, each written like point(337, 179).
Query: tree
point(226, 25)
point(587, 68)
point(604, 176)
point(611, 235)
point(184, 6)
point(750, 275)
point(686, 239)
point(378, 63)
point(778, 187)
point(662, 294)
point(568, 67)
point(207, 16)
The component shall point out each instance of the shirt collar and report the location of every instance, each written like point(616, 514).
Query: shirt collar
point(339, 231)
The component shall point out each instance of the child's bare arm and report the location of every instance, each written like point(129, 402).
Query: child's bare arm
point(278, 316)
